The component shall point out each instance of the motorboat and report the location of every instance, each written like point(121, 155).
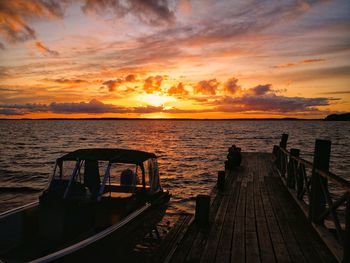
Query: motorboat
point(95, 202)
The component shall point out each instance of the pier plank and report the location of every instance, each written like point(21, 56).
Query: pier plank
point(238, 242)
point(251, 239)
point(225, 242)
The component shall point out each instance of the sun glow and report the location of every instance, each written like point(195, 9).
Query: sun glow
point(156, 99)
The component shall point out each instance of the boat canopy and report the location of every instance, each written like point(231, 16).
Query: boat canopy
point(89, 162)
point(113, 155)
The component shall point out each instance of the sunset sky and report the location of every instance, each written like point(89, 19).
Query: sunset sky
point(174, 58)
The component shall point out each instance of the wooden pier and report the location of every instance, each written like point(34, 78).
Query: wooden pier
point(255, 217)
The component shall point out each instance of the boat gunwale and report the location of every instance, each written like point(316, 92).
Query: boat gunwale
point(18, 209)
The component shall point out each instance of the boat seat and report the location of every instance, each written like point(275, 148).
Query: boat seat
point(124, 188)
point(117, 195)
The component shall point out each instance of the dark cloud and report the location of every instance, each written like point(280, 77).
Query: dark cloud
point(270, 103)
point(67, 81)
point(130, 78)
point(153, 12)
point(206, 87)
point(22, 109)
point(112, 85)
point(93, 107)
point(147, 109)
point(45, 50)
point(231, 86)
point(152, 84)
point(11, 112)
point(261, 89)
point(16, 14)
point(178, 90)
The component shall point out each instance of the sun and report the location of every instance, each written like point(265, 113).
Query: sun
point(156, 99)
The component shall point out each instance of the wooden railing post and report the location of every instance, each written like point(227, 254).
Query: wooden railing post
point(202, 210)
point(300, 181)
point(275, 150)
point(221, 180)
point(346, 238)
point(282, 157)
point(284, 139)
point(292, 168)
point(321, 162)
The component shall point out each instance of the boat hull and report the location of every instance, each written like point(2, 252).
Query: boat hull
point(108, 244)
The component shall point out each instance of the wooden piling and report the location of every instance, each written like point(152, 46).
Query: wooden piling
point(317, 197)
point(202, 210)
point(221, 180)
point(291, 174)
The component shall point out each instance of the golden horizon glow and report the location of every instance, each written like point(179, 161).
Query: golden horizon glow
point(156, 99)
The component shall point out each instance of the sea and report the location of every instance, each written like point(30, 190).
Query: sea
point(190, 152)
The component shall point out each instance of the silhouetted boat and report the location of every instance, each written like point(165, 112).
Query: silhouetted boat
point(81, 213)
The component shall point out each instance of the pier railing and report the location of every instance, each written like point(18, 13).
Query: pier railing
point(323, 196)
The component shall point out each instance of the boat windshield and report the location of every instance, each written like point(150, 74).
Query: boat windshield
point(96, 178)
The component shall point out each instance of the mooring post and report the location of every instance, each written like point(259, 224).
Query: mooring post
point(221, 180)
point(292, 169)
point(317, 198)
point(346, 234)
point(202, 210)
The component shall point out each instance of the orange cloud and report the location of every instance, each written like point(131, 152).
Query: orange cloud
point(178, 90)
point(152, 84)
point(206, 87)
point(45, 50)
point(316, 60)
point(306, 61)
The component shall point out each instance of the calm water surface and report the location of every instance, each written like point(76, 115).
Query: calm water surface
point(190, 152)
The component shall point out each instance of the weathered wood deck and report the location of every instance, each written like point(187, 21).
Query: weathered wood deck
point(254, 219)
